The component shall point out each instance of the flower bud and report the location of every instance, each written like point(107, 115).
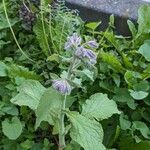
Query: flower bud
point(73, 41)
point(62, 86)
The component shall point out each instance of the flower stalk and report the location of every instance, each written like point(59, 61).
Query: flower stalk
point(62, 143)
point(80, 53)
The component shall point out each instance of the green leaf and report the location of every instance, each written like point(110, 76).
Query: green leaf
point(112, 61)
point(99, 107)
point(45, 2)
point(85, 73)
point(132, 28)
point(122, 95)
point(3, 69)
point(146, 115)
point(142, 86)
point(20, 71)
point(143, 19)
point(146, 72)
point(12, 129)
point(29, 95)
point(124, 122)
point(142, 127)
point(42, 36)
point(88, 133)
point(131, 77)
point(27, 144)
point(54, 58)
point(138, 95)
point(145, 50)
point(116, 79)
point(10, 109)
point(77, 82)
point(113, 40)
point(4, 23)
point(93, 25)
point(111, 20)
point(127, 62)
point(107, 86)
point(49, 107)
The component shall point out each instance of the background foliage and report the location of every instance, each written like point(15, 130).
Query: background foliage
point(122, 72)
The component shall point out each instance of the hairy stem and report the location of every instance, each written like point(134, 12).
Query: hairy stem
point(62, 114)
point(62, 125)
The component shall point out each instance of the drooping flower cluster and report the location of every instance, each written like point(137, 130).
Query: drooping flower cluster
point(62, 86)
point(81, 50)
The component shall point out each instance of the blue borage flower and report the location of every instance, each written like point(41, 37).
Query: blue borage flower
point(92, 44)
point(82, 53)
point(73, 41)
point(62, 86)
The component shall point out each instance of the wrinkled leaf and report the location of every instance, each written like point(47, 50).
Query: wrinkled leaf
point(99, 107)
point(29, 94)
point(20, 71)
point(88, 133)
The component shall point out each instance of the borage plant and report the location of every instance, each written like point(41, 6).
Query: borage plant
point(52, 104)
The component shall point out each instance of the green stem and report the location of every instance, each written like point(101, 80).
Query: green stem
point(62, 125)
point(62, 143)
point(71, 67)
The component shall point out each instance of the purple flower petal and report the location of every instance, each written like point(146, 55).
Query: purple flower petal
point(90, 54)
point(73, 41)
point(62, 86)
point(82, 53)
point(92, 44)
